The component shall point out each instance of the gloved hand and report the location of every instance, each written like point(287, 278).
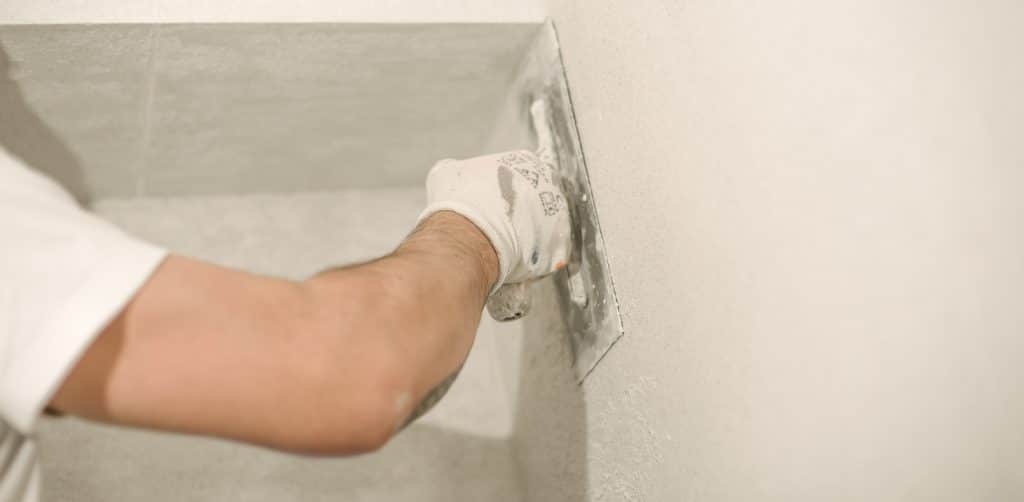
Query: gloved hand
point(514, 200)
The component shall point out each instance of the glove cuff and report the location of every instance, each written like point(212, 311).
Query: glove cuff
point(504, 249)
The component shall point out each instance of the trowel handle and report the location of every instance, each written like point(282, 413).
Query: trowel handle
point(510, 302)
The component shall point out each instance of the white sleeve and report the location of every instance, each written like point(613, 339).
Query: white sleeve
point(64, 274)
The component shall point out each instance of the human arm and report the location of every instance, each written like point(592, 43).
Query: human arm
point(338, 363)
point(331, 365)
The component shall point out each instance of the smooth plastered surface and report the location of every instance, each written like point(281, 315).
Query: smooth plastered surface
point(240, 108)
point(812, 214)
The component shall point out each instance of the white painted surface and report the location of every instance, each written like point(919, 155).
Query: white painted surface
point(813, 212)
point(248, 11)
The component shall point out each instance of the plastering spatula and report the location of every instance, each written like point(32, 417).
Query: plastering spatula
point(586, 294)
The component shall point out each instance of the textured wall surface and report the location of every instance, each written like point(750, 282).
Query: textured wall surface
point(122, 110)
point(812, 211)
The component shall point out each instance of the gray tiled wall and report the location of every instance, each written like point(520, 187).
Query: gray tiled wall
point(125, 110)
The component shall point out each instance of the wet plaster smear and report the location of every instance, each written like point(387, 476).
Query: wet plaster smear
point(812, 216)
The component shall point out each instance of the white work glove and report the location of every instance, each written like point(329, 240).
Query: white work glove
point(514, 200)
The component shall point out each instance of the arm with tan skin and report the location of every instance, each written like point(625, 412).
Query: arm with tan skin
point(338, 363)
point(332, 365)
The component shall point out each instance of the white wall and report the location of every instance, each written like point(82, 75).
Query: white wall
point(272, 11)
point(813, 213)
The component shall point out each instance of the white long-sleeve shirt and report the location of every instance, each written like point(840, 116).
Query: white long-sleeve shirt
point(64, 274)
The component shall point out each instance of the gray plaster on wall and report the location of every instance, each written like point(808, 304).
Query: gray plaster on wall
point(90, 463)
point(71, 102)
point(242, 108)
point(238, 108)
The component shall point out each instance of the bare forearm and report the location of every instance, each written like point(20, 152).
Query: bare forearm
point(438, 281)
point(333, 364)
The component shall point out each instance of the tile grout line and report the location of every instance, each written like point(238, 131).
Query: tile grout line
point(139, 169)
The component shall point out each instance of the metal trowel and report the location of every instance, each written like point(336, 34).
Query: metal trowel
point(586, 294)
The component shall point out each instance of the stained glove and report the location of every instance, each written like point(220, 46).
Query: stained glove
point(514, 199)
